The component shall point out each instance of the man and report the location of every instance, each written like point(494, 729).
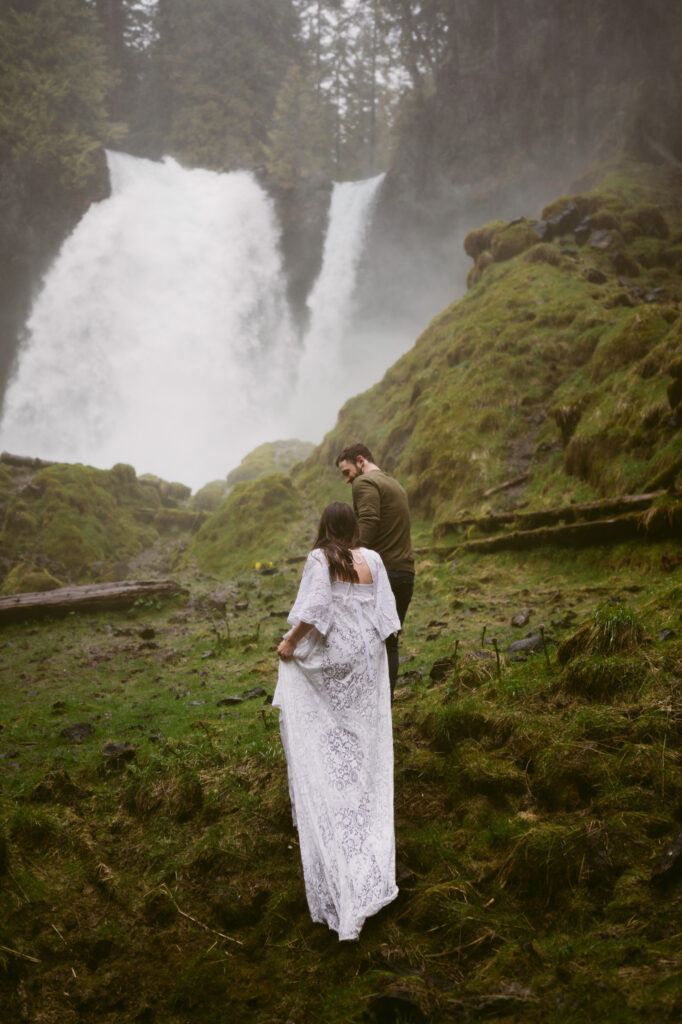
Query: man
point(382, 509)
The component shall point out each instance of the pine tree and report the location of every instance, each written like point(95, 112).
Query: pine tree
point(217, 66)
point(53, 116)
point(298, 140)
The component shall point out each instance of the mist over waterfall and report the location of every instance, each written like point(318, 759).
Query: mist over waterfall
point(162, 335)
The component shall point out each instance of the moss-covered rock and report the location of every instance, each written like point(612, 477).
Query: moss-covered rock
point(483, 260)
point(74, 520)
point(543, 253)
point(649, 220)
point(613, 628)
point(585, 204)
point(26, 578)
point(512, 240)
point(480, 239)
point(605, 220)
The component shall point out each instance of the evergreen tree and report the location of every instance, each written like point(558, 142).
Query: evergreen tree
point(298, 140)
point(53, 117)
point(126, 31)
point(217, 65)
point(351, 50)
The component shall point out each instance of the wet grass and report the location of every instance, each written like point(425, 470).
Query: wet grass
point(530, 810)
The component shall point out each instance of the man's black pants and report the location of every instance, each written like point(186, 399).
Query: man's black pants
point(402, 585)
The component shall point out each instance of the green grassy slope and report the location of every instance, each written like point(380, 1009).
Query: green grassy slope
point(534, 798)
point(549, 333)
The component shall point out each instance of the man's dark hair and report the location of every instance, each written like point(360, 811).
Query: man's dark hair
point(351, 452)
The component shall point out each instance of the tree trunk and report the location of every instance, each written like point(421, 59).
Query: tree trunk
point(588, 511)
point(600, 531)
point(93, 597)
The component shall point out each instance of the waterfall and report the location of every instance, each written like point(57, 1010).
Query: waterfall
point(325, 379)
point(162, 336)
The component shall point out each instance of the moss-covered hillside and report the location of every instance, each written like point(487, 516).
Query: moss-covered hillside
point(77, 524)
point(561, 364)
point(272, 457)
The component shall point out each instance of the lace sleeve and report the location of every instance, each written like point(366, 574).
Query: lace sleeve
point(387, 620)
point(313, 602)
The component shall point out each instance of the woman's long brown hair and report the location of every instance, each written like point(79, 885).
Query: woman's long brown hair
point(336, 535)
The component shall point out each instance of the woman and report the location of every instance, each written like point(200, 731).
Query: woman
point(334, 698)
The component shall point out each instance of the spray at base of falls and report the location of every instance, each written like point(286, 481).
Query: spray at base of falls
point(162, 335)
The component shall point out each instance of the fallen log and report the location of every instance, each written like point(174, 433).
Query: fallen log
point(91, 597)
point(587, 511)
point(514, 482)
point(600, 531)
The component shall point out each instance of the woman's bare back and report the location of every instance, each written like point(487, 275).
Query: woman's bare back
point(361, 567)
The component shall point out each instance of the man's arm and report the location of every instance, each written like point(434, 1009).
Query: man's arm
point(367, 501)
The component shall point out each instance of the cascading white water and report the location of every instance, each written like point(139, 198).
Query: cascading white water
point(162, 335)
point(325, 380)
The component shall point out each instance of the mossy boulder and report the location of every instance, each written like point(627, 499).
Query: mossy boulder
point(648, 219)
point(480, 239)
point(613, 628)
point(74, 520)
point(26, 578)
point(543, 253)
point(483, 260)
point(605, 220)
point(512, 240)
point(585, 204)
point(254, 524)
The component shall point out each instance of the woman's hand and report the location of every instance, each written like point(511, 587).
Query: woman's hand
point(287, 646)
point(286, 649)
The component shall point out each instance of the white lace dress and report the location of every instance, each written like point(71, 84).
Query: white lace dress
point(335, 721)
